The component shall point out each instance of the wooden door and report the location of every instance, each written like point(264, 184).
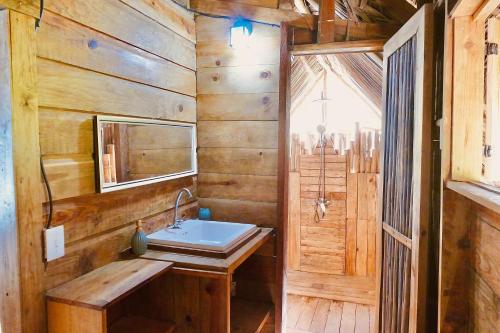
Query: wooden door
point(403, 217)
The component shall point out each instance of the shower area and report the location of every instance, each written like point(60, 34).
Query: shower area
point(335, 125)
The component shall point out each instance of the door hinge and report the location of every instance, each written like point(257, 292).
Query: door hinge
point(491, 48)
point(487, 150)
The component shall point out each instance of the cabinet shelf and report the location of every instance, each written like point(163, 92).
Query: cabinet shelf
point(133, 324)
point(249, 316)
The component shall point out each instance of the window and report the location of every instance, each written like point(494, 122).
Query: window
point(472, 74)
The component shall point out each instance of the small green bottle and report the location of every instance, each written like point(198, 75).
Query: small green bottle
point(139, 240)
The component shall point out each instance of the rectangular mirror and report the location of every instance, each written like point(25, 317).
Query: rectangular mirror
point(133, 152)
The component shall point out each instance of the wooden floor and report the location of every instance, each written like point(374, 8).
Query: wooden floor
point(317, 315)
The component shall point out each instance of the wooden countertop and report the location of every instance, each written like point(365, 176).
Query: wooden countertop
point(227, 265)
point(108, 284)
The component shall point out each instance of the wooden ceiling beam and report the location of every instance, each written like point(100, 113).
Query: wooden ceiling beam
point(348, 30)
point(359, 46)
point(254, 13)
point(326, 32)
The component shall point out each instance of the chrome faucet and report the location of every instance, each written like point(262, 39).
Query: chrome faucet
point(177, 220)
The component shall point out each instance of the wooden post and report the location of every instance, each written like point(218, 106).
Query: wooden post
point(26, 156)
point(10, 299)
point(326, 25)
point(283, 166)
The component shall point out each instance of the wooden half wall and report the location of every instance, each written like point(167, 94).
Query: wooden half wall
point(470, 274)
point(334, 256)
point(131, 58)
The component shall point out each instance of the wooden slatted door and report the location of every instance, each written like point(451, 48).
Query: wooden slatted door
point(404, 194)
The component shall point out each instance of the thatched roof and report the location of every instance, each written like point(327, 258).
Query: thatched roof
point(363, 72)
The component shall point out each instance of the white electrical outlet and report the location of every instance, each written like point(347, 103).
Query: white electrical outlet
point(54, 243)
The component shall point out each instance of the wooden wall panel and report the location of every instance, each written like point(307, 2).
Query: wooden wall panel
point(210, 30)
point(262, 106)
point(343, 242)
point(237, 134)
point(238, 80)
point(237, 187)
point(168, 14)
point(470, 286)
point(260, 213)
point(243, 161)
point(238, 137)
point(69, 87)
point(130, 58)
point(65, 41)
point(130, 26)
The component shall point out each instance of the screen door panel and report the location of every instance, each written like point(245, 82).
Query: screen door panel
point(404, 213)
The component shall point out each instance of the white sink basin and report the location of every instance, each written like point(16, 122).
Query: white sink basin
point(205, 235)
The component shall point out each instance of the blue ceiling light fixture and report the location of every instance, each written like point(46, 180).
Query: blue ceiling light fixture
point(240, 33)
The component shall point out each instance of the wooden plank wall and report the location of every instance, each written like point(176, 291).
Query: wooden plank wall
point(341, 247)
point(238, 136)
point(470, 282)
point(133, 58)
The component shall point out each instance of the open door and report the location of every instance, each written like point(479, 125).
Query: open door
point(404, 212)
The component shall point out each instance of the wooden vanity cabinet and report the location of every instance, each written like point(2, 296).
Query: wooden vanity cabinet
point(197, 295)
point(95, 302)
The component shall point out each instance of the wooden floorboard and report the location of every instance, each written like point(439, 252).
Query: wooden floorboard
point(319, 315)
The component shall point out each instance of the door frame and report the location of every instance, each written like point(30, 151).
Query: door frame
point(286, 51)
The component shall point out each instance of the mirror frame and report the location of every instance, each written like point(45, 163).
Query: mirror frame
point(99, 174)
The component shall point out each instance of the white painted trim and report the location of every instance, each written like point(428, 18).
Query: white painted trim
point(152, 180)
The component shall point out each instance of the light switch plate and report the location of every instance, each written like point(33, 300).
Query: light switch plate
point(54, 243)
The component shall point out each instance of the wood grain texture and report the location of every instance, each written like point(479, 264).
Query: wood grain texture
point(257, 13)
point(238, 138)
point(93, 58)
point(106, 285)
point(167, 14)
point(218, 53)
point(258, 106)
point(139, 30)
point(74, 129)
point(73, 88)
point(242, 161)
point(260, 3)
point(10, 299)
point(470, 285)
point(238, 134)
point(26, 156)
point(259, 213)
point(68, 318)
point(237, 187)
point(238, 107)
point(238, 80)
point(294, 208)
point(130, 324)
point(65, 41)
point(210, 29)
point(335, 287)
point(28, 7)
point(468, 85)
